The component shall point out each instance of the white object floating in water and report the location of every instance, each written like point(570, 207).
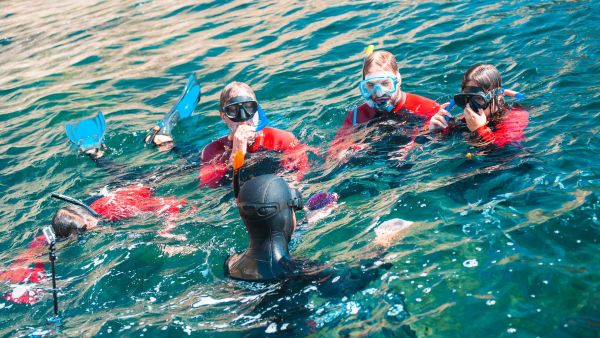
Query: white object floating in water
point(470, 263)
point(392, 226)
point(211, 301)
point(271, 328)
point(395, 310)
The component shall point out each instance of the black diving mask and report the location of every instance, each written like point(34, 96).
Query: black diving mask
point(475, 97)
point(241, 108)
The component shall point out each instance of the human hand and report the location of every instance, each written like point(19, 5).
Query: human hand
point(244, 135)
point(440, 120)
point(96, 153)
point(474, 120)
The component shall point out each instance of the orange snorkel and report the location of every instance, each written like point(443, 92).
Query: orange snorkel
point(238, 162)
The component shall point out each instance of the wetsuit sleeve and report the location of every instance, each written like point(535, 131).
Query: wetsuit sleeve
point(294, 153)
point(213, 164)
point(507, 131)
point(422, 107)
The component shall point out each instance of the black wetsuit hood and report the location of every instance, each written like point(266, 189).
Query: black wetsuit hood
point(266, 205)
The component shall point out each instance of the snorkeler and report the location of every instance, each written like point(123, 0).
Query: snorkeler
point(241, 112)
point(485, 113)
point(246, 120)
point(267, 205)
point(380, 87)
point(77, 218)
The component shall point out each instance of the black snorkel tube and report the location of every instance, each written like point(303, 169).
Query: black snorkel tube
point(75, 202)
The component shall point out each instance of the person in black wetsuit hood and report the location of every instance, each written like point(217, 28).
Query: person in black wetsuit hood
point(266, 204)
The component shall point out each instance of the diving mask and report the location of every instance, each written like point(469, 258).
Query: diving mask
point(241, 108)
point(379, 84)
point(476, 97)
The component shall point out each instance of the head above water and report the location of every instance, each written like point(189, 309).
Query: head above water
point(266, 205)
point(381, 80)
point(72, 219)
point(488, 79)
point(232, 94)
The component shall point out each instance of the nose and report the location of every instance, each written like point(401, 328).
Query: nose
point(379, 91)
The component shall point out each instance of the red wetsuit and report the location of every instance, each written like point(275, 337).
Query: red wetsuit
point(27, 270)
point(410, 104)
point(215, 156)
point(509, 129)
point(135, 200)
point(26, 273)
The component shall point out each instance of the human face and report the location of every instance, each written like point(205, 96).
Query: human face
point(477, 99)
point(233, 125)
point(240, 108)
point(381, 85)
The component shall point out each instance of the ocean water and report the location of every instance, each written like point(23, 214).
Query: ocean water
point(506, 245)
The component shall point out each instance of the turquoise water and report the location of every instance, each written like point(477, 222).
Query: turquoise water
point(529, 219)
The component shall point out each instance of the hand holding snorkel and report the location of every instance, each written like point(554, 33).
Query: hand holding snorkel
point(241, 117)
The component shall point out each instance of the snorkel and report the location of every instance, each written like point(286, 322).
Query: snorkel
point(240, 113)
point(238, 162)
point(75, 202)
point(263, 121)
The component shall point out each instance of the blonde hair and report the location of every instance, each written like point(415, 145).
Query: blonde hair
point(234, 89)
point(383, 59)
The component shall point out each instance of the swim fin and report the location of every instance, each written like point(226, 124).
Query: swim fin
point(87, 134)
point(184, 107)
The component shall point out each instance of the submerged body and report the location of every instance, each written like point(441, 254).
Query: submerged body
point(27, 273)
point(215, 156)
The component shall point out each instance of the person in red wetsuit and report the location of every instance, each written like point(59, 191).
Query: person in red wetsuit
point(380, 88)
point(238, 109)
point(486, 114)
point(27, 271)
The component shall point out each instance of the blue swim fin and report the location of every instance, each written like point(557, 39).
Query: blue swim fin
point(184, 107)
point(87, 134)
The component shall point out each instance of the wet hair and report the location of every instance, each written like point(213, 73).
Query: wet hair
point(70, 219)
point(383, 59)
point(485, 76)
point(233, 89)
point(488, 78)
